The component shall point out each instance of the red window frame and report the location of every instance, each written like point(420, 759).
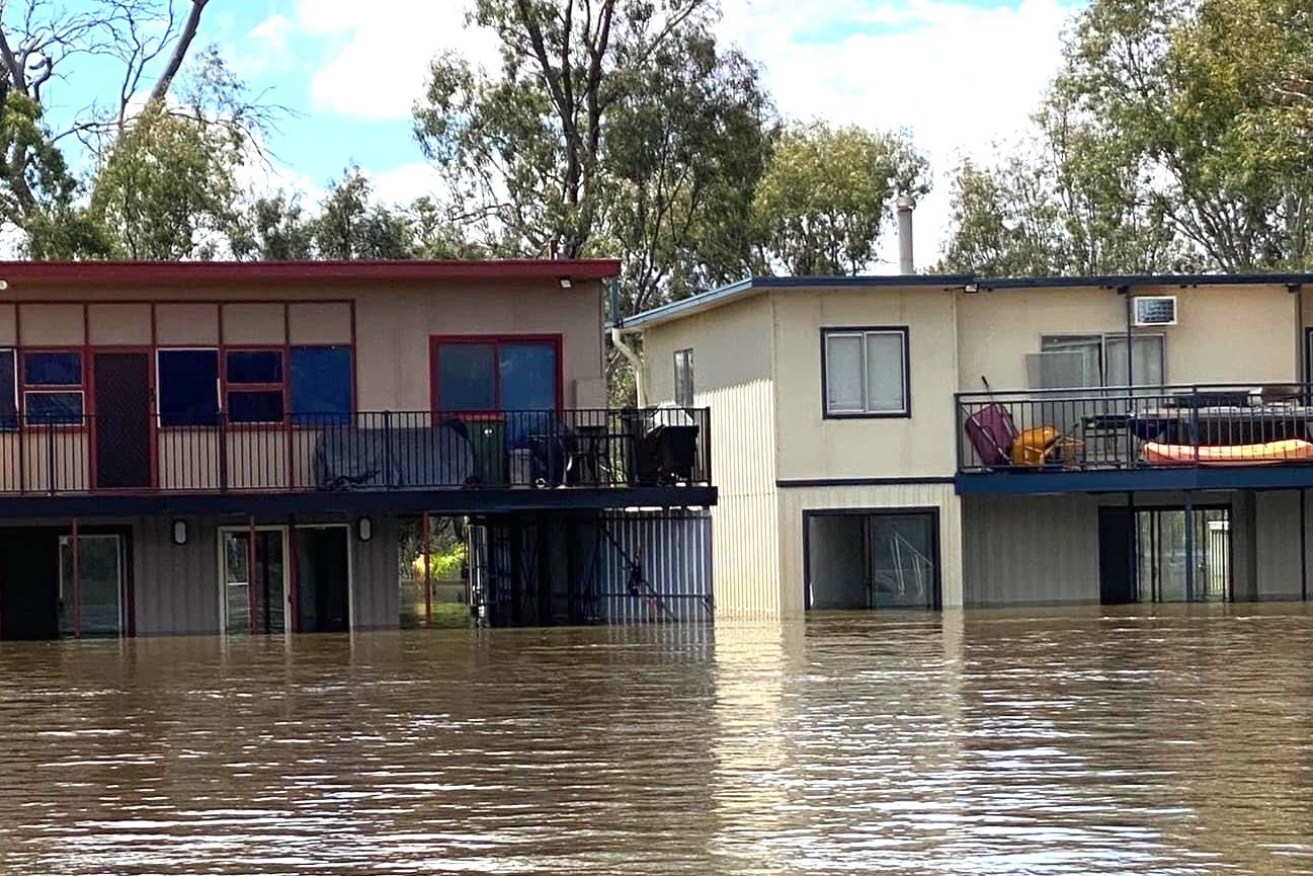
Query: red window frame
point(23, 388)
point(226, 387)
point(496, 341)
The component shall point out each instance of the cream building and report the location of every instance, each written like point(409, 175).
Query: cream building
point(857, 424)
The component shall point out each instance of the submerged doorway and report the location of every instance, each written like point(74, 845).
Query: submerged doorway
point(1165, 555)
point(872, 559)
point(48, 593)
point(253, 572)
point(323, 579)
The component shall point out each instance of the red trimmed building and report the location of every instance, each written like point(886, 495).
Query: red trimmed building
point(240, 448)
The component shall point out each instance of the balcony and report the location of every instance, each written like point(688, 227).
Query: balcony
point(416, 460)
point(1128, 439)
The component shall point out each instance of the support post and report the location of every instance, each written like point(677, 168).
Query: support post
point(76, 546)
point(293, 623)
point(427, 523)
point(1189, 547)
point(1303, 544)
point(250, 572)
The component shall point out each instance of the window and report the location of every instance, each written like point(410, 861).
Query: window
point(1084, 361)
point(476, 375)
point(8, 391)
point(684, 378)
point(52, 388)
point(188, 387)
point(255, 386)
point(320, 385)
point(865, 373)
point(887, 559)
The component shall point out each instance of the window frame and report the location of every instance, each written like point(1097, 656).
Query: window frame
point(283, 388)
point(1102, 338)
point(24, 390)
point(298, 421)
point(904, 335)
point(688, 401)
point(933, 512)
point(160, 425)
point(556, 341)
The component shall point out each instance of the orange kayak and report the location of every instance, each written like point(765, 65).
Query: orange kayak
point(1291, 450)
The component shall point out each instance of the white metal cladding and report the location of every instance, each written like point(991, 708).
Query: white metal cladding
point(654, 566)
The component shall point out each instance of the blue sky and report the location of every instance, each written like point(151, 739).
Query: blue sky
point(960, 74)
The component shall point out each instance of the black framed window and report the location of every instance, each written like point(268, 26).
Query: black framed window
point(872, 559)
point(865, 372)
point(684, 378)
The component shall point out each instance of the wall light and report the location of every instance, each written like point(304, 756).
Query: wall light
point(566, 283)
point(179, 532)
point(365, 528)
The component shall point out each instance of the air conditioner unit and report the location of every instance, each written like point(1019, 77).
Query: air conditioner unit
point(1155, 310)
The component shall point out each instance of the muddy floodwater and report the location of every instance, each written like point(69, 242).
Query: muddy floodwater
point(1174, 741)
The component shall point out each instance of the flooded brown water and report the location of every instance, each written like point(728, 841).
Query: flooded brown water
point(1178, 741)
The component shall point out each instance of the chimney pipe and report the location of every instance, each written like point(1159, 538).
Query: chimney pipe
point(906, 264)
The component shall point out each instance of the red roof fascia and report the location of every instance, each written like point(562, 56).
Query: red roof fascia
point(193, 273)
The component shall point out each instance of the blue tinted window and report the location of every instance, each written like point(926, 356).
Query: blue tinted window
point(8, 400)
point(466, 377)
point(255, 407)
point(52, 369)
point(528, 377)
point(189, 387)
point(255, 366)
point(320, 384)
point(54, 408)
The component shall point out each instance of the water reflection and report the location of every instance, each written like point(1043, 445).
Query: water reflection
point(1140, 741)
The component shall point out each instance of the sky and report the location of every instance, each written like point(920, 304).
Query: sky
point(960, 75)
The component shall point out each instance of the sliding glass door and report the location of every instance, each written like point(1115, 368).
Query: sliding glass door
point(254, 573)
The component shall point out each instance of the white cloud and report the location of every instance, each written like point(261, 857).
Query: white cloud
point(403, 184)
point(958, 76)
point(380, 64)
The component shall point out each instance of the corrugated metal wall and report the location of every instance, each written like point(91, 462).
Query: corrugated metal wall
point(177, 586)
point(1277, 545)
point(654, 566)
point(794, 501)
point(1041, 550)
point(1033, 550)
point(733, 348)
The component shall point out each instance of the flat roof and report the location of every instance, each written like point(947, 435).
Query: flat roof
point(123, 273)
point(746, 288)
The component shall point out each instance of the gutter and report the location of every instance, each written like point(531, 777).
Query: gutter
point(618, 341)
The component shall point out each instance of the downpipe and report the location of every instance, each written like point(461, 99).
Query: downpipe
point(617, 339)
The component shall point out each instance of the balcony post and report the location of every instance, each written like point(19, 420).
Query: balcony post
point(50, 458)
point(223, 452)
point(387, 449)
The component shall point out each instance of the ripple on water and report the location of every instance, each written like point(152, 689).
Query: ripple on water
point(980, 743)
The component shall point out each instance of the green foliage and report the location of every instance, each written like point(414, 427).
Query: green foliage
point(167, 189)
point(821, 205)
point(614, 128)
point(273, 229)
point(1175, 138)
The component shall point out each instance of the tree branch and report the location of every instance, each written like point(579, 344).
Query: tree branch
point(180, 48)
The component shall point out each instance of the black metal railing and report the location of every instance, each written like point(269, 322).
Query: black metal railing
point(1134, 427)
point(136, 452)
